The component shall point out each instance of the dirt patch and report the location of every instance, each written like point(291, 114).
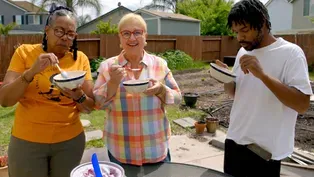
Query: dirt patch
point(214, 101)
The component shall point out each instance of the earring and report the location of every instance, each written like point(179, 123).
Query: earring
point(145, 43)
point(120, 46)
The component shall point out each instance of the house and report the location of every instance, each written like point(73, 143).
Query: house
point(26, 15)
point(114, 15)
point(290, 15)
point(164, 23)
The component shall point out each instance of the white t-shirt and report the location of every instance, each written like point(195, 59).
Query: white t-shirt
point(257, 116)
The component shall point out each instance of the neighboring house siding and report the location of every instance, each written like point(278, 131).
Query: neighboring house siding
point(9, 11)
point(280, 19)
point(176, 27)
point(115, 18)
point(152, 26)
point(299, 21)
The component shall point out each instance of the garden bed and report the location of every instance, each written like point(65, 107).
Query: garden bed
point(213, 100)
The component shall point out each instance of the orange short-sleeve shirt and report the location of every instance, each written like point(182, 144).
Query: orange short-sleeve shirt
point(44, 114)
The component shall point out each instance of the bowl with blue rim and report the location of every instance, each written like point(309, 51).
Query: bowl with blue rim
point(221, 74)
point(74, 79)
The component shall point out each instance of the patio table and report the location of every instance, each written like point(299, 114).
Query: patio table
point(171, 170)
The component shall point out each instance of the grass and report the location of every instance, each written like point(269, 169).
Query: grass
point(6, 122)
point(311, 74)
point(97, 119)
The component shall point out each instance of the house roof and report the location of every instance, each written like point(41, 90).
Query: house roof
point(27, 6)
point(12, 4)
point(168, 15)
point(106, 14)
point(270, 1)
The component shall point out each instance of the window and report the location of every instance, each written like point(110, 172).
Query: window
point(34, 19)
point(308, 7)
point(1, 19)
point(18, 19)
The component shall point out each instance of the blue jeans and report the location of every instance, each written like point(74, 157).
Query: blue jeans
point(114, 160)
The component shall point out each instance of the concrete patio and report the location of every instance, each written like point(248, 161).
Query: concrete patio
point(198, 151)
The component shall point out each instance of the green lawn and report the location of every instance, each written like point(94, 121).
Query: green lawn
point(311, 74)
point(97, 119)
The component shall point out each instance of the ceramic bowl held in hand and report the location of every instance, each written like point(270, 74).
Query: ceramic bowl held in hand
point(75, 78)
point(136, 86)
point(221, 74)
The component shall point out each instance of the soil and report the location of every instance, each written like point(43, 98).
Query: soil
point(216, 103)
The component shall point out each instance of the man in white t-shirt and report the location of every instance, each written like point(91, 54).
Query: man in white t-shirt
point(272, 86)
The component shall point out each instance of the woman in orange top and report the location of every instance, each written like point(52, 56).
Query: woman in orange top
point(47, 139)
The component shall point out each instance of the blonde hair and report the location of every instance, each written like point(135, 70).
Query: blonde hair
point(132, 17)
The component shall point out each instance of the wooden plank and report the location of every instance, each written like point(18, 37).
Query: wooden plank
point(186, 122)
point(303, 154)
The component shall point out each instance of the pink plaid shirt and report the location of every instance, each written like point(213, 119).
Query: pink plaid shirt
point(137, 130)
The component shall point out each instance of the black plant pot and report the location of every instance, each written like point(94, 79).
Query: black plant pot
point(190, 99)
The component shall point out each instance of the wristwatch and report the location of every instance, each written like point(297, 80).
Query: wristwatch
point(81, 99)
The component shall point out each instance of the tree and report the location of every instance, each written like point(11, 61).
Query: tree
point(5, 29)
point(163, 5)
point(212, 13)
point(105, 28)
point(72, 4)
point(83, 19)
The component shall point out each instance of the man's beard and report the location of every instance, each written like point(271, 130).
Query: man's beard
point(251, 45)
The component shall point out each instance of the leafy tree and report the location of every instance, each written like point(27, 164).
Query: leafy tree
point(212, 13)
point(72, 4)
point(105, 28)
point(163, 5)
point(83, 19)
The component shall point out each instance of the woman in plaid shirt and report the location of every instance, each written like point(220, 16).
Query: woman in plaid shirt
point(137, 130)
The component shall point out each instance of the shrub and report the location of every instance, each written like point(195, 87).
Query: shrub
point(94, 63)
point(179, 60)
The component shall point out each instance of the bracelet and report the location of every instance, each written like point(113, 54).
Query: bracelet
point(24, 78)
point(81, 99)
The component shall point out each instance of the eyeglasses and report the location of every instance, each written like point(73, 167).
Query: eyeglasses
point(60, 33)
point(127, 34)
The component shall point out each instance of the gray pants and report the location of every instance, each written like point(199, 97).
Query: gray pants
point(28, 159)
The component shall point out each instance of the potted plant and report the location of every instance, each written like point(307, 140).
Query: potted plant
point(3, 166)
point(190, 99)
point(200, 126)
point(211, 124)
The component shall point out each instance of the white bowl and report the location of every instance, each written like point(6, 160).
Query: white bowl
point(75, 78)
point(136, 86)
point(83, 168)
point(221, 74)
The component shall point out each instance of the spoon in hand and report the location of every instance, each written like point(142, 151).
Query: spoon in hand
point(63, 73)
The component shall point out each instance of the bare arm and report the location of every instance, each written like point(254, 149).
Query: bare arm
point(289, 96)
point(230, 88)
point(14, 83)
point(88, 105)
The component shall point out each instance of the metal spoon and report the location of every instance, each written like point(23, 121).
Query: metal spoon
point(134, 69)
point(63, 73)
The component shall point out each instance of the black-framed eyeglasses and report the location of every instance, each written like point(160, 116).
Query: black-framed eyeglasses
point(60, 33)
point(127, 34)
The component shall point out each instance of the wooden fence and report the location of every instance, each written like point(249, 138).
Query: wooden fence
point(201, 48)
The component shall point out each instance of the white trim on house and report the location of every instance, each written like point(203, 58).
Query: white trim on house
point(15, 5)
point(270, 1)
